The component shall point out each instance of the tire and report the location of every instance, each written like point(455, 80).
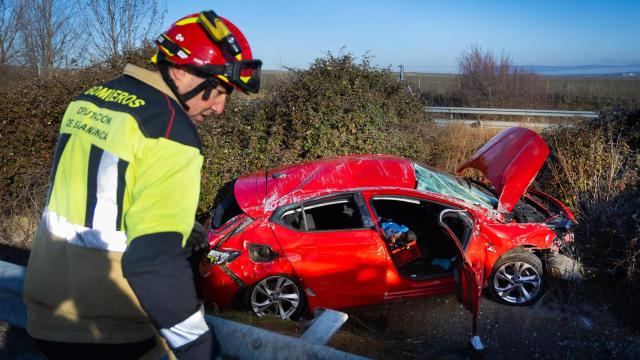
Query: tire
point(517, 278)
point(277, 295)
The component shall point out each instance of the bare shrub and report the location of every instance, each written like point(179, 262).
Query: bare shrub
point(589, 166)
point(453, 145)
point(10, 13)
point(120, 26)
point(486, 80)
point(50, 35)
point(594, 169)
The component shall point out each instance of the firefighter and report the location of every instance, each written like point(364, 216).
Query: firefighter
point(108, 275)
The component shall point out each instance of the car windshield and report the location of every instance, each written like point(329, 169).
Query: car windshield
point(430, 179)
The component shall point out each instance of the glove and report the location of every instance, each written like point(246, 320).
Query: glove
point(198, 240)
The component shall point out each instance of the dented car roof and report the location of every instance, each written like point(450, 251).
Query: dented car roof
point(261, 192)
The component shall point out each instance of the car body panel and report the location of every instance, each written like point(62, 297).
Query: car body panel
point(510, 161)
point(344, 268)
point(217, 287)
point(469, 271)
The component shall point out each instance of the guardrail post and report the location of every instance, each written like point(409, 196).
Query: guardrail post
point(325, 324)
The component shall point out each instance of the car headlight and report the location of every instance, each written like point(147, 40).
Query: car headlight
point(220, 257)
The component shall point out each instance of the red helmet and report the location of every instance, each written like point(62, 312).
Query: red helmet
point(211, 46)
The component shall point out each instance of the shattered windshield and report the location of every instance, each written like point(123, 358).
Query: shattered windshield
point(438, 182)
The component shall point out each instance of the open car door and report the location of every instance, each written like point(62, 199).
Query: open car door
point(469, 270)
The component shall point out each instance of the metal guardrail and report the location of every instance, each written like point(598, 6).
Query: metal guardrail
point(238, 341)
point(518, 112)
point(497, 124)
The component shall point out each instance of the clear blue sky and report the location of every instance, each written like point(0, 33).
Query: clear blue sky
point(428, 36)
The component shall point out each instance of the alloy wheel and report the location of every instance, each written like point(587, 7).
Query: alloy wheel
point(276, 295)
point(517, 282)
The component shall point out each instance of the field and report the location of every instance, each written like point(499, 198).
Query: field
point(561, 92)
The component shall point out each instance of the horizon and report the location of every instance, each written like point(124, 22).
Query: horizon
point(594, 70)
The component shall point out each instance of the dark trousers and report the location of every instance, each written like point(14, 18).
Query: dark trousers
point(61, 350)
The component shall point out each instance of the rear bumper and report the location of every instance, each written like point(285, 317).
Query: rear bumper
point(218, 285)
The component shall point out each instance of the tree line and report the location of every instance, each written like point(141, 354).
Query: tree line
point(44, 35)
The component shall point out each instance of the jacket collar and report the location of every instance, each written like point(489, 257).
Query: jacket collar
point(151, 78)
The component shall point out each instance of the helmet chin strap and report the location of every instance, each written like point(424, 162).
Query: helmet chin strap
point(207, 86)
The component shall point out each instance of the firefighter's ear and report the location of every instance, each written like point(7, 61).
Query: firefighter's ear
point(178, 74)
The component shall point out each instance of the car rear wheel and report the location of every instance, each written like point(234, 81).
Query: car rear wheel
point(517, 278)
point(277, 295)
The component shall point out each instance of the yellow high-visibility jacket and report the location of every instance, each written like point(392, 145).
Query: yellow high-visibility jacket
point(126, 171)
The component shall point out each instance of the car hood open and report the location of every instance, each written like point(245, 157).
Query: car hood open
point(510, 161)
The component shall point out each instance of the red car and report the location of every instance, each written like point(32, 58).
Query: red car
point(363, 229)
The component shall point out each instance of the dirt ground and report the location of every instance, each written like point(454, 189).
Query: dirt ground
point(561, 326)
point(568, 323)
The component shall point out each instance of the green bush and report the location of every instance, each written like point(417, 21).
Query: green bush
point(337, 106)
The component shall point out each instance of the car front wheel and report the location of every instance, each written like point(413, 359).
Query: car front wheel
point(517, 278)
point(277, 295)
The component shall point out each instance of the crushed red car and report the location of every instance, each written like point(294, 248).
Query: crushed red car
point(363, 229)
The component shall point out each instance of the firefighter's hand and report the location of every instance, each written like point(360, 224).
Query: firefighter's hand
point(197, 241)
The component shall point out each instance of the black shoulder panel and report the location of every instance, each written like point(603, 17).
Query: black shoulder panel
point(158, 115)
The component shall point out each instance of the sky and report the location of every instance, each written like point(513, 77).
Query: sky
point(429, 36)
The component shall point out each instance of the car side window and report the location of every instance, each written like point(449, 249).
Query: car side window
point(225, 207)
point(322, 215)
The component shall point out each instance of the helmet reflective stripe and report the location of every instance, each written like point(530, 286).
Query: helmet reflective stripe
point(218, 31)
point(172, 48)
point(188, 20)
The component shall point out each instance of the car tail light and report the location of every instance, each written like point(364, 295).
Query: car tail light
point(261, 253)
point(220, 257)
